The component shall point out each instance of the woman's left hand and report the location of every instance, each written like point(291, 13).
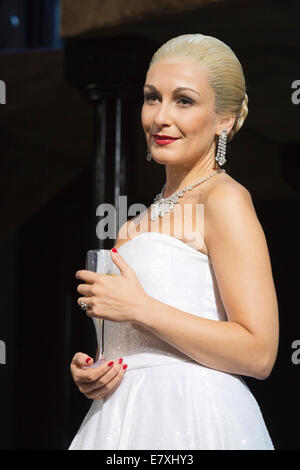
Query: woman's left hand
point(115, 298)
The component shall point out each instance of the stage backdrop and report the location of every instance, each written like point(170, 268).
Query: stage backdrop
point(79, 17)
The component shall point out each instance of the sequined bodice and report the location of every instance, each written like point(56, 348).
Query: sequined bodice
point(174, 273)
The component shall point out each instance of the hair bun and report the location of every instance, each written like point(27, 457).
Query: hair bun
point(240, 117)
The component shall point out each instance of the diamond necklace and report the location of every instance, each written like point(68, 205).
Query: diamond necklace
point(163, 205)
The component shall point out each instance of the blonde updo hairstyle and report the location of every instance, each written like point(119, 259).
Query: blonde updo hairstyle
point(224, 71)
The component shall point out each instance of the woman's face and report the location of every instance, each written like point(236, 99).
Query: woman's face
point(179, 102)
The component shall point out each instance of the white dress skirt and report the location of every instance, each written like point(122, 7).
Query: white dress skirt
point(166, 400)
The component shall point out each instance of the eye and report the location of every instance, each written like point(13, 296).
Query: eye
point(150, 97)
point(185, 101)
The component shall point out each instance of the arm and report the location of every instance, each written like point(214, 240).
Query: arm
point(247, 343)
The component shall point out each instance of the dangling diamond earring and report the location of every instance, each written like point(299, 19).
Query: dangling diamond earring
point(148, 155)
point(220, 157)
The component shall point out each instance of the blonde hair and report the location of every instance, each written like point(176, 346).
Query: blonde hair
point(224, 71)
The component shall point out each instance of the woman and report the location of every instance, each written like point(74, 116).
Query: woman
point(195, 306)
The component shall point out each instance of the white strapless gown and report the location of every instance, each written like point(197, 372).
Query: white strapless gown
point(166, 400)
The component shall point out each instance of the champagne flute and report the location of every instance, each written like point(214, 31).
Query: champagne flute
point(99, 261)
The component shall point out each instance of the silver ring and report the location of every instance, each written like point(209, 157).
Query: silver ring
point(83, 306)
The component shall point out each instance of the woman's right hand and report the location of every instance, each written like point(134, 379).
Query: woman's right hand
point(96, 382)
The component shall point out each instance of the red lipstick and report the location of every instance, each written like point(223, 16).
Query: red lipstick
point(164, 139)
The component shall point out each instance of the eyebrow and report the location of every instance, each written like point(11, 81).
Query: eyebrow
point(177, 90)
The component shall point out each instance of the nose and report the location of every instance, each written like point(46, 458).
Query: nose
point(162, 116)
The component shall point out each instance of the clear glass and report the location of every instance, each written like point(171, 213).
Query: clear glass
point(99, 261)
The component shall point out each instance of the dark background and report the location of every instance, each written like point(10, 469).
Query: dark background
point(49, 139)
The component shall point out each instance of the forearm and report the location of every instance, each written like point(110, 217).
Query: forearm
point(221, 345)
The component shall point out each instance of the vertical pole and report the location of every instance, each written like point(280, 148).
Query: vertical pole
point(99, 176)
point(117, 189)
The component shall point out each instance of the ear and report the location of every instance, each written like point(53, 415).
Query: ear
point(225, 122)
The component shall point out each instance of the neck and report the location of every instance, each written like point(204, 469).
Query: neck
point(180, 176)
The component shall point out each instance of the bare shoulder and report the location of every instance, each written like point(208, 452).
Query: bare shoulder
point(226, 186)
point(233, 231)
point(226, 202)
point(228, 196)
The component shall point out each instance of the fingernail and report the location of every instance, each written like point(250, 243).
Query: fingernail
point(110, 363)
point(88, 360)
point(114, 250)
point(125, 366)
point(120, 360)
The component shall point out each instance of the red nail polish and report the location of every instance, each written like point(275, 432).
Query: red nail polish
point(114, 250)
point(125, 366)
point(88, 360)
point(120, 360)
point(110, 363)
